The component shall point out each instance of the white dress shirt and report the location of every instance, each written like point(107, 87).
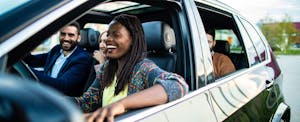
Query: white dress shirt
point(59, 63)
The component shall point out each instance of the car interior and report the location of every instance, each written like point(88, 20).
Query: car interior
point(160, 40)
point(164, 42)
point(164, 45)
point(159, 24)
point(228, 39)
point(161, 43)
point(89, 42)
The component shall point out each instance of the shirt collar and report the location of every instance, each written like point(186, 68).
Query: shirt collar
point(212, 53)
point(61, 52)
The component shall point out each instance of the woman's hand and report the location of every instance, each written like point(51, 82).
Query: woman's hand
point(107, 112)
point(99, 55)
point(154, 95)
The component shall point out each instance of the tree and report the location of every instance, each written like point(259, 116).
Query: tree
point(268, 27)
point(279, 34)
point(288, 32)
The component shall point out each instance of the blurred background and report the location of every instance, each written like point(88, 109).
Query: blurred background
point(279, 20)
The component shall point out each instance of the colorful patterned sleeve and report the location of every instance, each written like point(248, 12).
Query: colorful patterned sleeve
point(91, 99)
point(174, 85)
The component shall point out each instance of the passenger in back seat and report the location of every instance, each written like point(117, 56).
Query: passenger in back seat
point(99, 54)
point(221, 63)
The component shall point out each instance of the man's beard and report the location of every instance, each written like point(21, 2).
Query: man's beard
point(65, 48)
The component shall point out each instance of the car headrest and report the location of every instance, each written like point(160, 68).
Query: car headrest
point(222, 46)
point(89, 39)
point(159, 36)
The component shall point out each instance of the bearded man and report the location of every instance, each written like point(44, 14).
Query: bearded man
point(66, 66)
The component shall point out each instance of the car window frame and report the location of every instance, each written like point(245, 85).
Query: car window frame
point(244, 22)
point(25, 18)
point(244, 35)
point(34, 34)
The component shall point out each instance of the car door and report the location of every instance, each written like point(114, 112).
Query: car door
point(271, 97)
point(196, 105)
point(239, 96)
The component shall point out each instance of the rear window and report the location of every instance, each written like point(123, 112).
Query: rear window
point(229, 36)
point(97, 26)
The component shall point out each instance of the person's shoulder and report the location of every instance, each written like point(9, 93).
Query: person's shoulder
point(146, 62)
point(81, 51)
point(79, 54)
point(56, 48)
point(221, 55)
point(146, 65)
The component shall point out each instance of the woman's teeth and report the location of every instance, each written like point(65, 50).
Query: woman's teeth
point(111, 47)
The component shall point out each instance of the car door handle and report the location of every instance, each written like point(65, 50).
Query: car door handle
point(269, 84)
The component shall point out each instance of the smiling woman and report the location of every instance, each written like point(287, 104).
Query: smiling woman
point(128, 76)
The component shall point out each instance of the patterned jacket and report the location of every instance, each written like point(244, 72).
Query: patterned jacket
point(145, 75)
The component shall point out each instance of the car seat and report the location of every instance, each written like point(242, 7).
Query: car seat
point(89, 41)
point(239, 60)
point(160, 38)
point(222, 46)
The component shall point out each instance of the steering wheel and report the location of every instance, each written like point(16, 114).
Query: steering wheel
point(24, 70)
point(24, 101)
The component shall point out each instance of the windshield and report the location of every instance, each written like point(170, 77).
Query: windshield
point(16, 14)
point(7, 5)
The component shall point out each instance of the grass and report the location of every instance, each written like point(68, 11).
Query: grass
point(288, 52)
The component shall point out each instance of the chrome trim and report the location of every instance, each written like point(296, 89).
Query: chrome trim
point(219, 4)
point(192, 94)
point(238, 73)
point(30, 30)
point(279, 112)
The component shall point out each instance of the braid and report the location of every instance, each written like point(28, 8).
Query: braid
point(135, 54)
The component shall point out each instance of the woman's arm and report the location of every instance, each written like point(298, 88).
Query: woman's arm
point(91, 99)
point(154, 95)
point(163, 87)
point(173, 84)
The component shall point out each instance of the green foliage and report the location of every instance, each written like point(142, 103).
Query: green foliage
point(279, 34)
point(288, 30)
point(287, 52)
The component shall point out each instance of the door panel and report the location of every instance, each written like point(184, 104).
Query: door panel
point(234, 93)
point(193, 109)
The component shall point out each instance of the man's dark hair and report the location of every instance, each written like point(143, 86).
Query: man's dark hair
point(136, 53)
point(77, 25)
point(211, 32)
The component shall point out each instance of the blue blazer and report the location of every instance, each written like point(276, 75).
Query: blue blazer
point(72, 76)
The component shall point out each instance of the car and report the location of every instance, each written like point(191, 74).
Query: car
point(175, 31)
point(296, 45)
